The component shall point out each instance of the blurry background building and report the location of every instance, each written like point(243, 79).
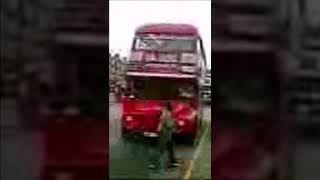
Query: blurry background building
point(117, 65)
point(252, 26)
point(48, 44)
point(25, 42)
point(80, 40)
point(206, 87)
point(306, 100)
point(299, 21)
point(25, 39)
point(245, 25)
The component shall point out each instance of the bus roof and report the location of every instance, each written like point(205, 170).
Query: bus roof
point(167, 28)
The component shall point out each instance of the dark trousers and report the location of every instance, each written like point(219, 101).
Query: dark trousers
point(171, 152)
point(169, 146)
point(155, 157)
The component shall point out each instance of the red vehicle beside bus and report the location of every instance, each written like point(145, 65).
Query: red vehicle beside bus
point(167, 63)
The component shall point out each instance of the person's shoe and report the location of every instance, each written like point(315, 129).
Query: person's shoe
point(151, 166)
point(174, 164)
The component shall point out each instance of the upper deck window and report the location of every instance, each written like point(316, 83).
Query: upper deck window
point(161, 43)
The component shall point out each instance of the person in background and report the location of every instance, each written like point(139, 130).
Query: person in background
point(116, 92)
point(122, 90)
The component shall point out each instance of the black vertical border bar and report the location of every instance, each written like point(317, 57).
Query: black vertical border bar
point(212, 82)
point(107, 81)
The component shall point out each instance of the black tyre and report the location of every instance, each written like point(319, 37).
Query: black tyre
point(124, 132)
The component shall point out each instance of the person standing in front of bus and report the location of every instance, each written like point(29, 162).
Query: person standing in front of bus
point(166, 128)
point(164, 142)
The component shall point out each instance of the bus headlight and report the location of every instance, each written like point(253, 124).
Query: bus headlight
point(181, 123)
point(129, 118)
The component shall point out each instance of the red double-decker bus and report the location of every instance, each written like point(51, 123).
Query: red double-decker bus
point(167, 63)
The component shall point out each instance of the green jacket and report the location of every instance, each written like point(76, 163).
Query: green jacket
point(168, 127)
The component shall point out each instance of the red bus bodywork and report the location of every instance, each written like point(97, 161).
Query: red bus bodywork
point(168, 29)
point(142, 115)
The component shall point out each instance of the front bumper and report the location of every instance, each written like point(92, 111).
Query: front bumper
point(150, 134)
point(148, 129)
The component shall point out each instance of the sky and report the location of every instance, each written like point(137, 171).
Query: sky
point(126, 16)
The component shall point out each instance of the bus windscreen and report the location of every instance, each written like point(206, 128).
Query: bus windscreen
point(165, 44)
